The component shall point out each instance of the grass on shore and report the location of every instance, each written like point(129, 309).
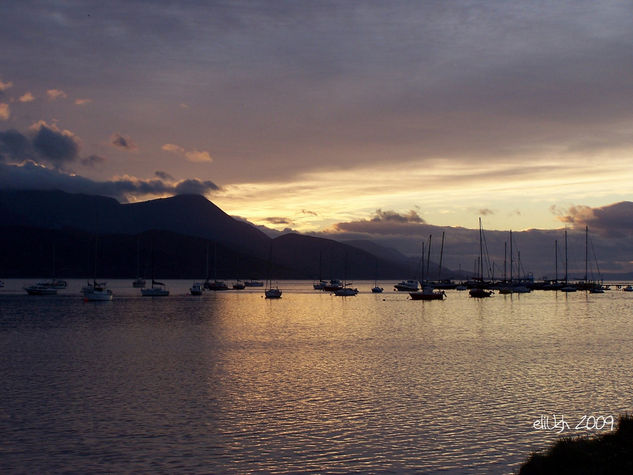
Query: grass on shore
point(608, 453)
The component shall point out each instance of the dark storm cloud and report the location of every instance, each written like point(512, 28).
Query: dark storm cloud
point(615, 220)
point(14, 146)
point(31, 176)
point(44, 145)
point(122, 142)
point(55, 147)
point(386, 223)
point(195, 186)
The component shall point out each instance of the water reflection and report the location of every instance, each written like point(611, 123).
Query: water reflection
point(234, 382)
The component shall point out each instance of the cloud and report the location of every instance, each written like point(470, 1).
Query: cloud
point(270, 232)
point(14, 146)
point(5, 85)
point(57, 147)
point(82, 102)
point(385, 223)
point(5, 112)
point(54, 94)
point(196, 156)
point(307, 211)
point(392, 216)
point(170, 147)
point(92, 161)
point(278, 220)
point(26, 97)
point(31, 176)
point(123, 142)
point(44, 144)
point(485, 212)
point(195, 186)
point(614, 220)
point(163, 175)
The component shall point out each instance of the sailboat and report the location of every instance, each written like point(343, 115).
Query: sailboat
point(376, 289)
point(567, 287)
point(196, 289)
point(49, 287)
point(139, 282)
point(271, 292)
point(428, 291)
point(321, 284)
point(480, 291)
point(96, 291)
point(216, 284)
point(346, 290)
point(158, 289)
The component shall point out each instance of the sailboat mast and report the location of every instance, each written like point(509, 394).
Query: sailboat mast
point(207, 266)
point(215, 260)
point(586, 252)
point(556, 260)
point(511, 262)
point(505, 262)
point(428, 256)
point(565, 256)
point(422, 275)
point(481, 253)
point(138, 256)
point(439, 269)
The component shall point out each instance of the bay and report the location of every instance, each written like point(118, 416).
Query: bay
point(232, 382)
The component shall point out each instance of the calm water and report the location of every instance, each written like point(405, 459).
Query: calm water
point(232, 382)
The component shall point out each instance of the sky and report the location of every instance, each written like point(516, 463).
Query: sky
point(326, 117)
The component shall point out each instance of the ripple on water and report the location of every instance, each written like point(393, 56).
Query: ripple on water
point(232, 382)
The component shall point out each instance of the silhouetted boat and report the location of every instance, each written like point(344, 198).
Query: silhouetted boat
point(139, 282)
point(196, 289)
point(479, 289)
point(480, 293)
point(216, 284)
point(253, 283)
point(320, 285)
point(333, 285)
point(346, 292)
point(96, 292)
point(271, 292)
point(428, 293)
point(158, 289)
point(407, 286)
point(40, 289)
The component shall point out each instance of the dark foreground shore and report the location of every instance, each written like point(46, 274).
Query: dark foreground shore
point(608, 453)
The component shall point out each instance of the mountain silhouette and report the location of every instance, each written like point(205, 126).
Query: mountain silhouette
point(178, 229)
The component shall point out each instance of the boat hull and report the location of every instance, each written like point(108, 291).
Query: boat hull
point(427, 296)
point(272, 293)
